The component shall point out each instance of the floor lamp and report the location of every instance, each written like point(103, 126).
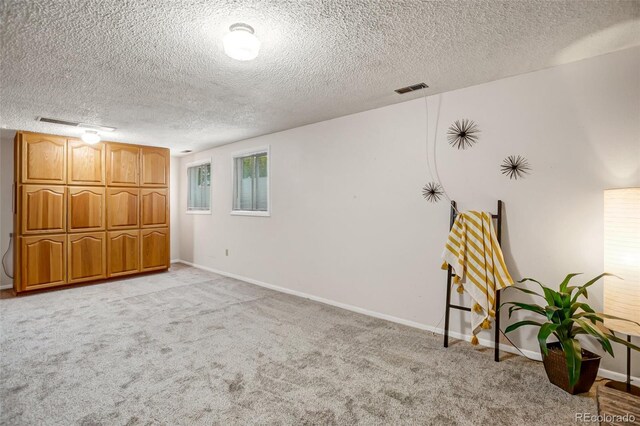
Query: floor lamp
point(622, 258)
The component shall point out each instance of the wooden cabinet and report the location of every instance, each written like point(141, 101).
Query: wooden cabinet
point(154, 208)
point(123, 163)
point(86, 206)
point(43, 262)
point(88, 212)
point(122, 208)
point(43, 209)
point(85, 163)
point(86, 257)
point(154, 166)
point(123, 252)
point(154, 249)
point(43, 158)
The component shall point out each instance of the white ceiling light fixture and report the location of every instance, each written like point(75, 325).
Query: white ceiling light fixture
point(240, 43)
point(91, 137)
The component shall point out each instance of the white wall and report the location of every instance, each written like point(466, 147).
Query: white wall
point(174, 190)
point(348, 221)
point(6, 214)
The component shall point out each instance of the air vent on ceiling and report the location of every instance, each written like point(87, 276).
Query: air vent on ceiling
point(186, 151)
point(413, 88)
point(76, 124)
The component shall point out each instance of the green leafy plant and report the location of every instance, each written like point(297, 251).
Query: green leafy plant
point(566, 317)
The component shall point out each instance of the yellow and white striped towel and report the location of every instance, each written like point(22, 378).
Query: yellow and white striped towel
point(475, 256)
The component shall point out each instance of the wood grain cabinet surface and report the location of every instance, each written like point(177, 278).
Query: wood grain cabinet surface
point(86, 257)
point(43, 158)
point(86, 205)
point(123, 208)
point(88, 212)
point(154, 208)
point(123, 163)
point(154, 166)
point(43, 209)
point(123, 252)
point(154, 249)
point(85, 163)
point(43, 262)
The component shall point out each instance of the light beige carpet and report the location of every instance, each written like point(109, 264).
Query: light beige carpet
point(191, 347)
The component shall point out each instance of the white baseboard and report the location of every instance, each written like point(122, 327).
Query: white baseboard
point(608, 374)
point(6, 286)
point(614, 375)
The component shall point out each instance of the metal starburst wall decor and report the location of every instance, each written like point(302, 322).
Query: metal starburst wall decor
point(515, 167)
point(432, 192)
point(463, 134)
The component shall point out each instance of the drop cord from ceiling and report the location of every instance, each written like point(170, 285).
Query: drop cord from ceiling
point(435, 149)
point(426, 138)
point(4, 266)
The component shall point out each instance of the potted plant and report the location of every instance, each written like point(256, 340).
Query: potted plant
point(566, 317)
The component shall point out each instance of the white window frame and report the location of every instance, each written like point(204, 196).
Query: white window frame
point(200, 163)
point(239, 154)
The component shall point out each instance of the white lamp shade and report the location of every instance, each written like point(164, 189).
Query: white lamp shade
point(241, 44)
point(90, 137)
point(622, 258)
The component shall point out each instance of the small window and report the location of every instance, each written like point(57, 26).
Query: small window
point(199, 190)
point(251, 184)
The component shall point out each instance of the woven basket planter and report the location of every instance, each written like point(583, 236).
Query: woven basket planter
point(555, 365)
point(616, 406)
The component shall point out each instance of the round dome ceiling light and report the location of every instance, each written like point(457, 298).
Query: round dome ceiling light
point(90, 137)
point(240, 43)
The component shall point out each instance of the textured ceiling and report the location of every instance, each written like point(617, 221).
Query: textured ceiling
point(155, 69)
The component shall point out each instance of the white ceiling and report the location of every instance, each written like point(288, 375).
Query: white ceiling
point(155, 69)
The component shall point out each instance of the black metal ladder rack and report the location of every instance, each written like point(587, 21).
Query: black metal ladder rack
point(450, 306)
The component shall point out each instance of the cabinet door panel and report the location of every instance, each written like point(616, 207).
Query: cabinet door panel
point(122, 208)
point(154, 207)
point(123, 163)
point(85, 163)
point(86, 257)
point(43, 209)
point(43, 262)
point(154, 249)
point(86, 206)
point(43, 159)
point(154, 166)
point(123, 252)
